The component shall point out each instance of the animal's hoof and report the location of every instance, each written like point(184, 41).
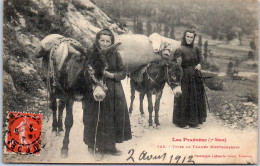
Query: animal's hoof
point(142, 115)
point(60, 129)
point(64, 153)
point(60, 132)
point(158, 127)
point(54, 133)
point(150, 127)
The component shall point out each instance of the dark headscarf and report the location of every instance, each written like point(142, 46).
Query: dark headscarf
point(104, 32)
point(184, 40)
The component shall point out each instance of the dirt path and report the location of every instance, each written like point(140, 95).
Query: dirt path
point(154, 141)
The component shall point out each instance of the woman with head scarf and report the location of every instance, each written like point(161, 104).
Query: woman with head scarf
point(114, 123)
point(190, 108)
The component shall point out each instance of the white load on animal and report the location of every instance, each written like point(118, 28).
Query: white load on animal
point(59, 47)
point(136, 51)
point(157, 41)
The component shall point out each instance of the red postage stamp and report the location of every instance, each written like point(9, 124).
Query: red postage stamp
point(24, 133)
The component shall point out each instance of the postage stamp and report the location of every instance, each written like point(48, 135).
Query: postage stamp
point(24, 133)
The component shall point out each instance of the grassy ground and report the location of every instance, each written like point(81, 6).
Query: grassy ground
point(233, 104)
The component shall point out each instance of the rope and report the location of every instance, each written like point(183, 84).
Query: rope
point(48, 89)
point(167, 75)
point(95, 144)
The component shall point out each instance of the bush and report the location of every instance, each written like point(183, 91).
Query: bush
point(14, 101)
point(252, 97)
point(250, 55)
point(205, 65)
point(80, 6)
point(210, 67)
point(10, 42)
point(221, 37)
point(214, 68)
point(214, 83)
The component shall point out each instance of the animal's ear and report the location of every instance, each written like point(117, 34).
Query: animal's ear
point(111, 48)
point(85, 52)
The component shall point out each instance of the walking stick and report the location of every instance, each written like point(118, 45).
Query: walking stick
point(95, 144)
point(204, 90)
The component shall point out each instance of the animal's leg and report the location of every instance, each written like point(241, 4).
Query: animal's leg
point(157, 107)
point(68, 125)
point(53, 105)
point(150, 108)
point(60, 109)
point(132, 96)
point(141, 98)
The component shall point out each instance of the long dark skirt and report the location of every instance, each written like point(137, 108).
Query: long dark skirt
point(190, 107)
point(114, 123)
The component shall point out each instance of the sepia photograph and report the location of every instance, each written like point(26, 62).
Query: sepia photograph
point(130, 81)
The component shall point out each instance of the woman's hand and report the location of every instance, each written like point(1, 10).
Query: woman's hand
point(109, 75)
point(198, 67)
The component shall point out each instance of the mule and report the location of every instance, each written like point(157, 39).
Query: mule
point(154, 79)
point(74, 79)
point(75, 82)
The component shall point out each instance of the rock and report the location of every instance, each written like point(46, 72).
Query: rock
point(22, 22)
point(239, 106)
point(249, 119)
point(244, 115)
point(8, 83)
point(248, 103)
point(249, 113)
point(224, 116)
point(42, 103)
point(255, 116)
point(233, 126)
point(234, 42)
point(36, 105)
point(232, 107)
point(225, 107)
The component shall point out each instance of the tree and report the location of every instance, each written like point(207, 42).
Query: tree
point(252, 45)
point(240, 37)
point(172, 36)
point(220, 37)
point(166, 30)
point(200, 41)
point(149, 27)
point(230, 35)
point(140, 27)
point(200, 45)
point(206, 50)
point(135, 24)
point(159, 27)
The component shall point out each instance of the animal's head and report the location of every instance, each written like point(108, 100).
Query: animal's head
point(174, 74)
point(165, 50)
point(74, 67)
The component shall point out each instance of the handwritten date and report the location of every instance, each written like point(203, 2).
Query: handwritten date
point(145, 156)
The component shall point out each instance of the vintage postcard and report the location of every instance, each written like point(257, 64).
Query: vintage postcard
point(130, 82)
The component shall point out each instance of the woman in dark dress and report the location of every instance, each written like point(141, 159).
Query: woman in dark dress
point(190, 107)
point(114, 123)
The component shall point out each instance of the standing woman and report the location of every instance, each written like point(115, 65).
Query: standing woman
point(190, 107)
point(114, 123)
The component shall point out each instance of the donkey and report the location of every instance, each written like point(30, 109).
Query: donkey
point(154, 79)
point(75, 79)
